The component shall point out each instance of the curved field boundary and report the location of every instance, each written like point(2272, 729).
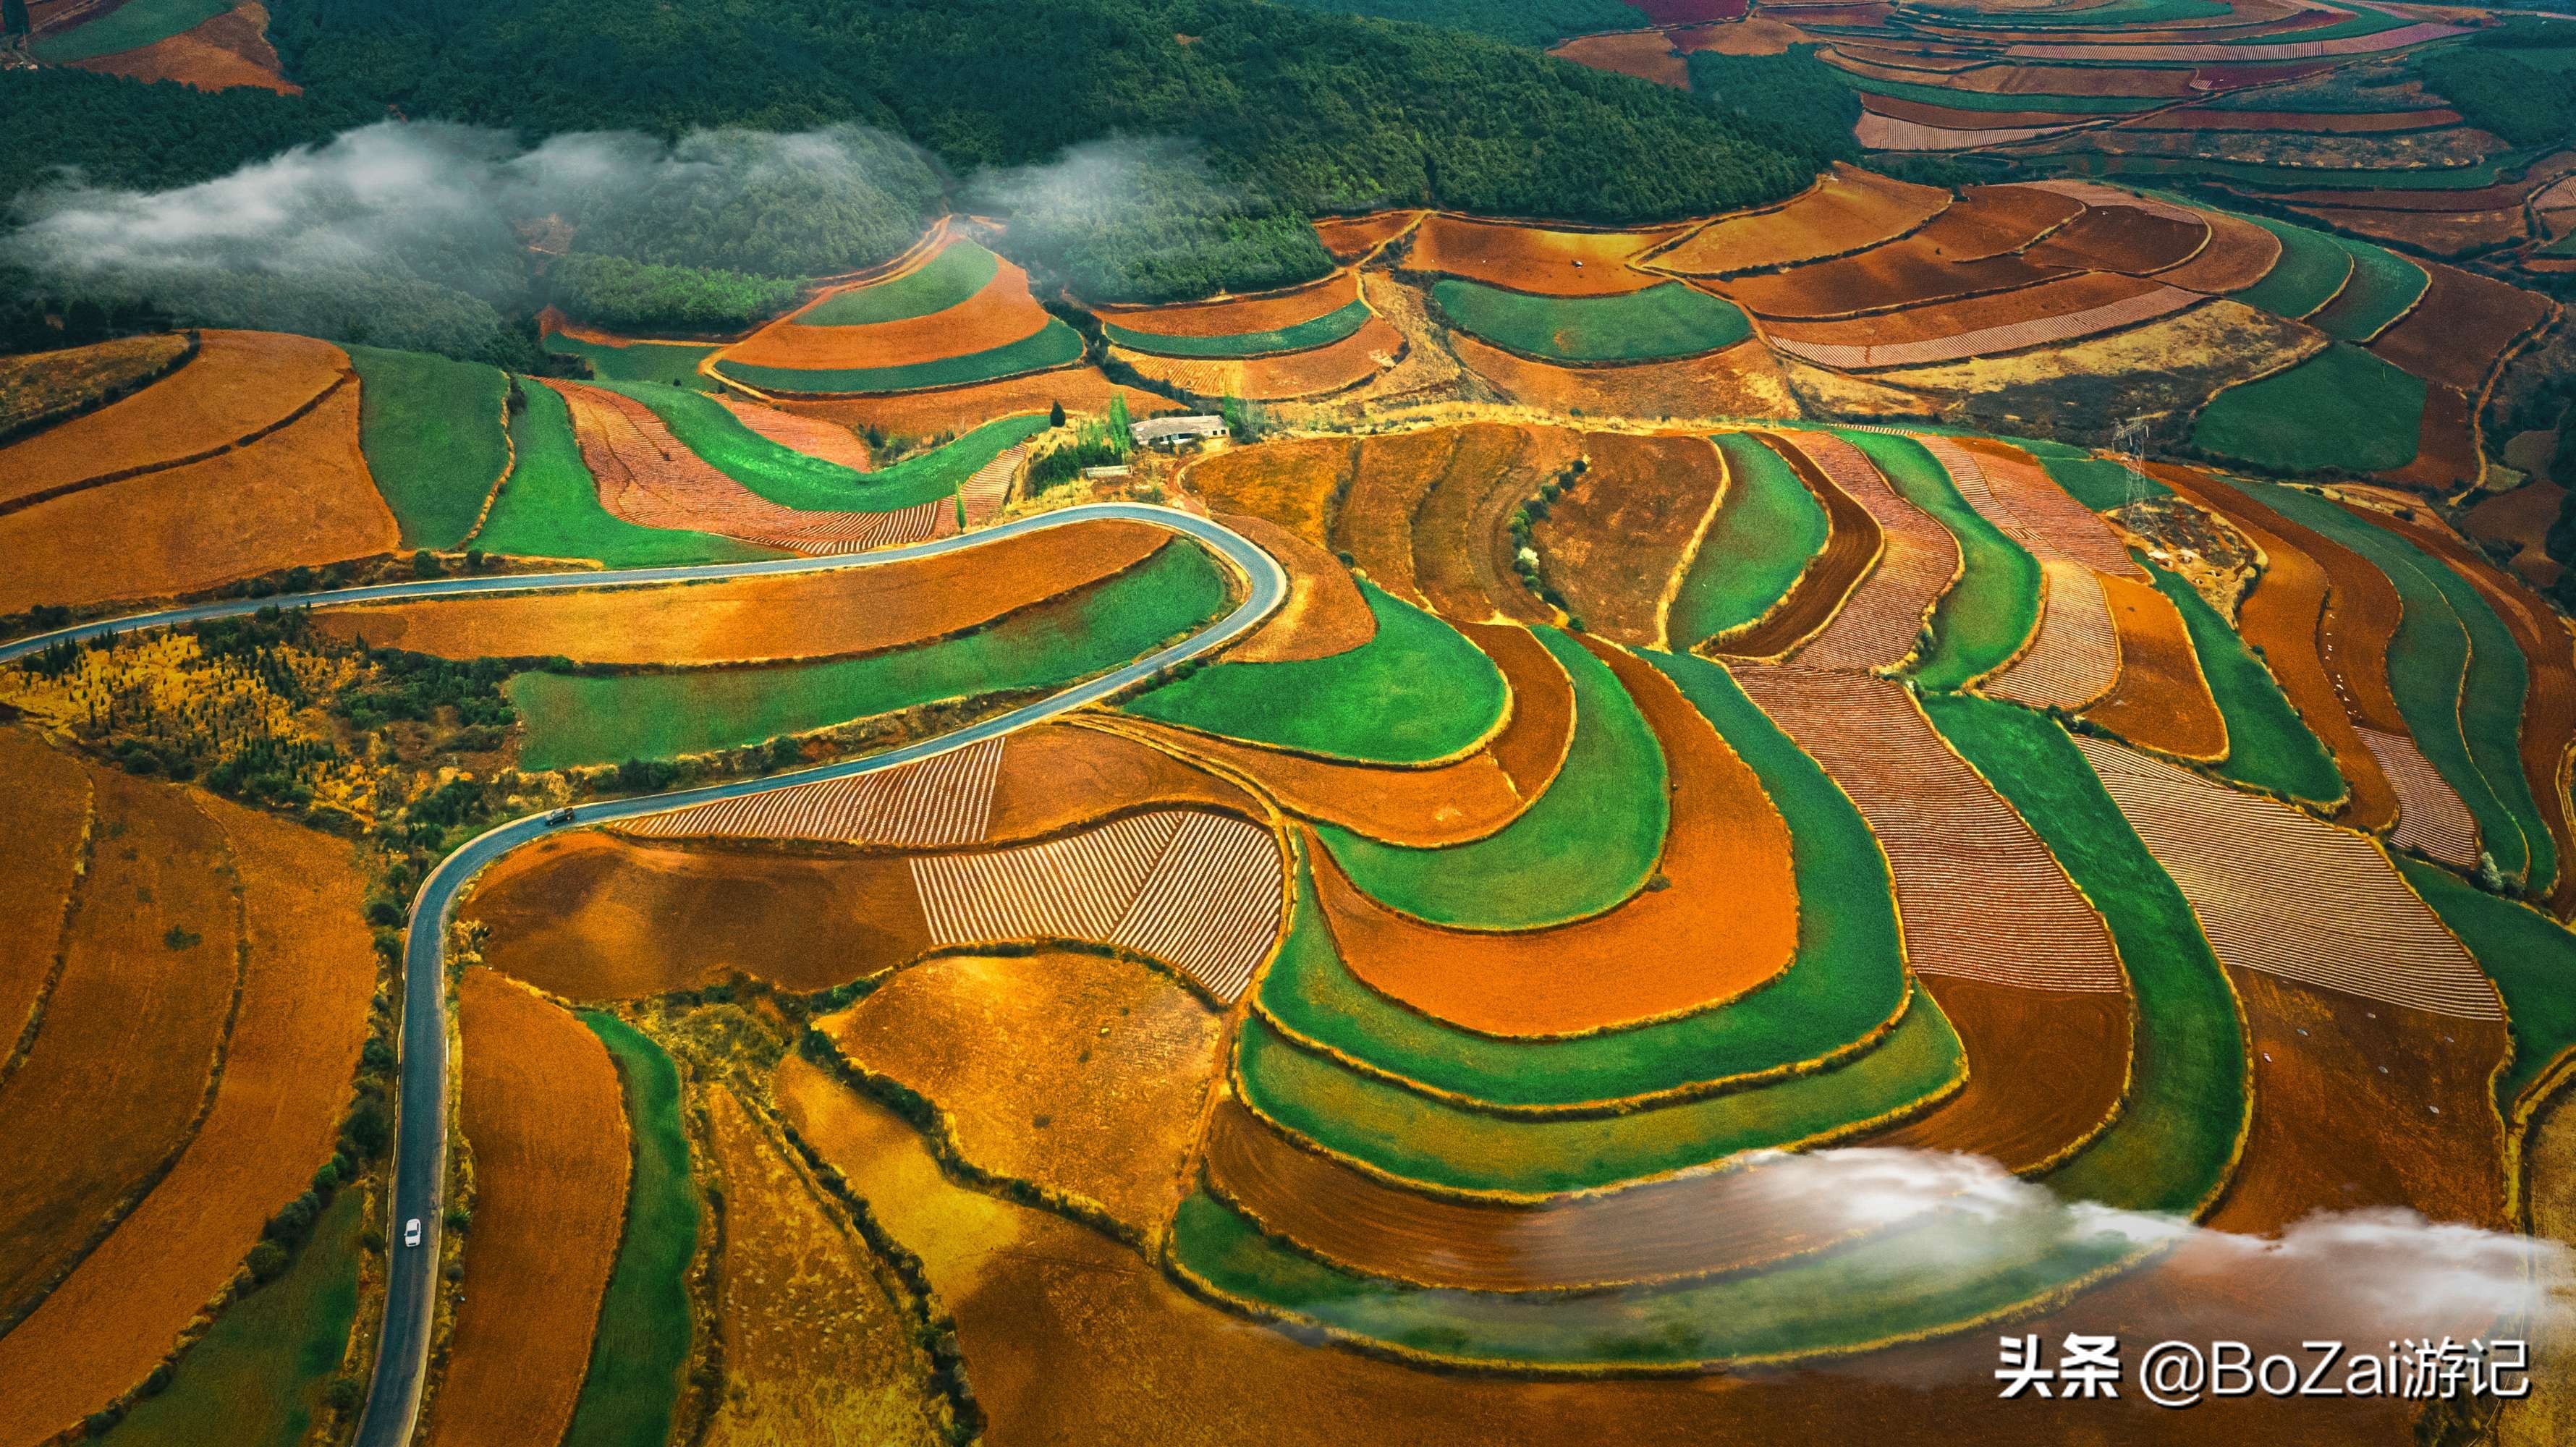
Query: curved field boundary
point(2431, 819)
point(1880, 132)
point(2376, 43)
point(806, 482)
point(48, 824)
point(997, 314)
point(1233, 317)
point(1991, 609)
point(1848, 210)
point(981, 496)
point(1659, 323)
point(1767, 531)
point(2165, 699)
point(2528, 955)
point(43, 390)
point(811, 436)
point(948, 279)
point(1051, 346)
point(1536, 260)
point(1880, 624)
point(941, 802)
point(1617, 543)
point(22, 501)
point(1321, 331)
point(2267, 745)
point(2341, 408)
point(2075, 658)
point(1979, 894)
point(549, 505)
point(2159, 301)
point(631, 1391)
point(1314, 373)
point(434, 437)
point(2029, 504)
point(130, 26)
point(2383, 288)
point(2239, 255)
point(1389, 479)
point(1853, 546)
point(2312, 270)
point(2281, 892)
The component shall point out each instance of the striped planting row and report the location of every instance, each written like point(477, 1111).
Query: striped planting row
point(1879, 625)
point(2017, 495)
point(1886, 133)
point(1201, 892)
point(2385, 40)
point(938, 802)
point(1977, 892)
point(810, 435)
point(2282, 892)
point(983, 494)
point(2431, 817)
point(1991, 341)
point(2076, 658)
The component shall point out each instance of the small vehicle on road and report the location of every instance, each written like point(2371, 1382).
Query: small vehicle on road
point(559, 818)
point(411, 1232)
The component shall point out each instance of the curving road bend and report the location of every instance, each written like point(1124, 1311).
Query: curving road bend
point(420, 1142)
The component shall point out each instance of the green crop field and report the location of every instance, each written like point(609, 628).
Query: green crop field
point(431, 431)
point(1323, 331)
point(2117, 12)
point(1847, 979)
point(1765, 531)
point(1665, 320)
point(596, 718)
point(793, 479)
point(947, 279)
point(2096, 482)
point(2530, 956)
point(2342, 408)
point(256, 1378)
point(673, 363)
point(633, 1385)
point(1578, 849)
point(549, 506)
point(2268, 747)
point(2384, 286)
point(2313, 267)
point(1987, 614)
point(130, 26)
point(1416, 692)
point(1053, 345)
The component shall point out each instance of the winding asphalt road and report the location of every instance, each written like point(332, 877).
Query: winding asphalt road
point(420, 1144)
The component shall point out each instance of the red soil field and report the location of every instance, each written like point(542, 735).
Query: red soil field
point(1989, 220)
point(1753, 35)
point(2522, 518)
point(1462, 540)
point(1853, 543)
point(2238, 255)
point(230, 50)
point(1645, 54)
point(957, 410)
point(2124, 238)
point(588, 916)
point(239, 385)
point(2461, 329)
point(44, 817)
point(2441, 233)
point(2075, 1041)
point(810, 435)
point(1390, 475)
point(2432, 819)
point(2537, 177)
point(1877, 132)
point(1742, 380)
point(1880, 624)
point(2446, 455)
point(946, 799)
point(1689, 12)
point(1902, 273)
point(806, 615)
point(305, 989)
point(1324, 614)
point(2085, 305)
point(1315, 372)
point(1918, 113)
point(1617, 542)
point(1296, 484)
point(1727, 923)
point(1233, 316)
point(2074, 658)
point(2081, 80)
point(541, 1106)
point(1535, 259)
point(2162, 701)
point(1055, 776)
point(135, 1023)
point(2029, 505)
point(1349, 238)
point(1000, 314)
point(1847, 211)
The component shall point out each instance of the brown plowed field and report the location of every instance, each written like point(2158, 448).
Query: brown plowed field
point(2521, 519)
point(302, 495)
point(2074, 659)
point(2062, 297)
point(1000, 314)
point(1852, 545)
point(2446, 453)
point(1740, 381)
point(2123, 238)
point(2046, 1069)
point(592, 917)
point(1990, 220)
point(1727, 923)
point(942, 801)
point(305, 990)
point(1295, 484)
point(1083, 1074)
point(2460, 328)
point(801, 615)
point(238, 383)
point(1535, 259)
point(1324, 614)
point(2025, 78)
point(1881, 623)
point(1389, 478)
point(1848, 210)
point(957, 410)
point(1901, 273)
point(1233, 316)
point(2042, 515)
point(2162, 701)
point(1617, 541)
point(40, 389)
point(818, 1335)
point(1462, 541)
point(1055, 776)
point(1349, 238)
point(1310, 373)
point(1645, 54)
point(132, 1029)
point(2331, 123)
point(540, 1104)
point(2441, 233)
point(1917, 113)
point(44, 815)
point(798, 433)
point(2238, 255)
point(230, 50)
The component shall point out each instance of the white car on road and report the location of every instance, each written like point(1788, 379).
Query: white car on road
point(411, 1232)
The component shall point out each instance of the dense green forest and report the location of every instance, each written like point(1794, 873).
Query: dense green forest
point(642, 299)
point(1535, 23)
point(2528, 105)
point(1810, 100)
point(837, 201)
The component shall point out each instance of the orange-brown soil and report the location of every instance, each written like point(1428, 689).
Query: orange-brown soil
point(230, 50)
point(1324, 614)
point(2461, 328)
point(1919, 113)
point(305, 987)
point(1535, 259)
point(1616, 543)
point(1390, 475)
point(1881, 624)
point(541, 1106)
point(134, 1025)
point(807, 615)
point(1645, 54)
point(955, 410)
point(1753, 35)
point(301, 495)
point(2446, 452)
point(2238, 255)
point(1743, 380)
point(1988, 221)
point(1294, 484)
point(1934, 321)
point(2162, 701)
point(1081, 1073)
point(1000, 314)
point(799, 433)
point(1852, 545)
point(2123, 238)
point(44, 819)
point(1849, 210)
point(1462, 540)
point(1901, 273)
point(1234, 316)
point(1311, 373)
point(1055, 776)
point(43, 389)
point(2522, 518)
point(1727, 922)
point(592, 917)
point(2440, 233)
point(2077, 1041)
point(1349, 238)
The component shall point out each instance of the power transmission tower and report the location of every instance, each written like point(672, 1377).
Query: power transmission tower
point(2129, 444)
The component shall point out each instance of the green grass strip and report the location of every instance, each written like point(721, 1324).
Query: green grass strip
point(1421, 1139)
point(2342, 408)
point(598, 718)
point(2172, 1143)
point(1416, 692)
point(431, 431)
point(130, 26)
point(255, 1379)
point(2459, 680)
point(1973, 100)
point(2383, 286)
point(1665, 320)
point(1991, 610)
point(549, 506)
point(2268, 746)
point(1577, 850)
point(2531, 958)
point(1763, 536)
point(671, 363)
point(633, 1385)
point(1053, 345)
point(2313, 266)
point(1305, 336)
point(2096, 482)
point(944, 281)
point(793, 479)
